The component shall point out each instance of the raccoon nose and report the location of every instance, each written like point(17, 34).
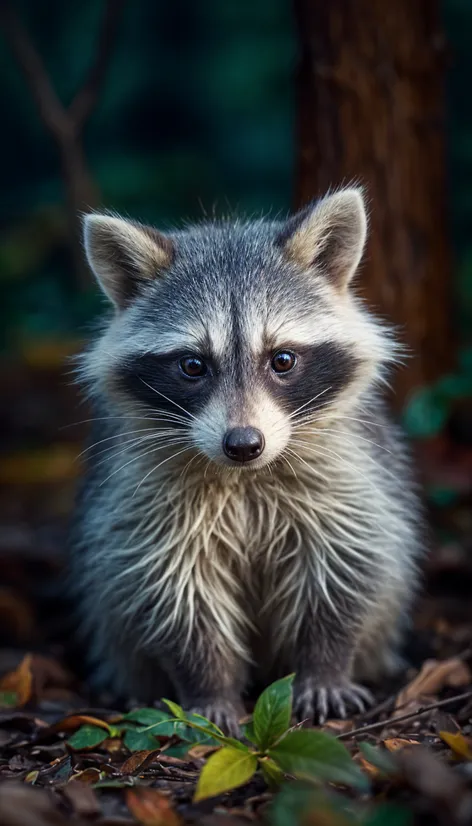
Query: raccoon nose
point(242, 444)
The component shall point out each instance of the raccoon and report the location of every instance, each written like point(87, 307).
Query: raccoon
point(248, 508)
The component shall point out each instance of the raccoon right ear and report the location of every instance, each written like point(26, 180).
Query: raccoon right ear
point(329, 236)
point(123, 255)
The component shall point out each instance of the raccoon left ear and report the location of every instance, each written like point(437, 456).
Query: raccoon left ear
point(329, 236)
point(124, 255)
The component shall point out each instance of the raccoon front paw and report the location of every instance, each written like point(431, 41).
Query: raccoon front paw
point(314, 702)
point(224, 713)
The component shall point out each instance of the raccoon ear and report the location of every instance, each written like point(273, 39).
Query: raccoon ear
point(329, 235)
point(124, 255)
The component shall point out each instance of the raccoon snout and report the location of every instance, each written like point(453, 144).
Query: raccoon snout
point(243, 444)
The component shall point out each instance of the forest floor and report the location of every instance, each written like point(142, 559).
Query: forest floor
point(45, 781)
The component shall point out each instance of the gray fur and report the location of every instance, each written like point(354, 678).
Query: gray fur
point(195, 575)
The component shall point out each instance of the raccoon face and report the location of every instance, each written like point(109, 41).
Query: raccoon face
point(236, 333)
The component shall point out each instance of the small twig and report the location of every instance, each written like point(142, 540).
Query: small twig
point(383, 723)
point(59, 119)
point(373, 712)
point(51, 109)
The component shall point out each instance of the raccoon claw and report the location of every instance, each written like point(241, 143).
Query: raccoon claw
point(316, 703)
point(222, 713)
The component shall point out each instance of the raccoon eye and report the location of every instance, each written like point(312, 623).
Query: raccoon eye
point(283, 361)
point(193, 367)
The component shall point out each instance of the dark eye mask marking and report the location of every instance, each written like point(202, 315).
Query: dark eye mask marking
point(151, 377)
point(324, 369)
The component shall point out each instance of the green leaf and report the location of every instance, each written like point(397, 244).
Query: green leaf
point(380, 758)
point(86, 737)
point(210, 731)
point(159, 722)
point(306, 753)
point(388, 814)
point(179, 750)
point(147, 716)
point(8, 699)
point(225, 769)
point(176, 710)
point(273, 712)
point(273, 775)
point(206, 733)
point(426, 413)
point(248, 731)
point(140, 740)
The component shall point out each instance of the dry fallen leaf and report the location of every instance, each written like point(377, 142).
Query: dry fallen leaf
point(338, 726)
point(139, 760)
point(432, 678)
point(151, 808)
point(75, 721)
point(369, 769)
point(48, 674)
point(395, 743)
point(457, 743)
point(19, 682)
point(88, 776)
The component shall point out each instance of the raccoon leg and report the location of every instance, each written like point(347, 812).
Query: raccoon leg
point(209, 679)
point(323, 663)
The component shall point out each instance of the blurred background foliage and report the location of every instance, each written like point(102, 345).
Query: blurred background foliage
point(195, 116)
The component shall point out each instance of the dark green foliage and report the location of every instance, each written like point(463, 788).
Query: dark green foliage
point(195, 113)
point(86, 737)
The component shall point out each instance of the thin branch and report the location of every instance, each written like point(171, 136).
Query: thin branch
point(394, 720)
point(32, 66)
point(61, 120)
point(85, 99)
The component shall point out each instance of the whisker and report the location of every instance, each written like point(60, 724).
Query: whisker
point(137, 443)
point(190, 415)
point(170, 417)
point(289, 463)
point(120, 435)
point(346, 436)
point(367, 456)
point(174, 455)
point(327, 452)
point(295, 412)
point(134, 459)
point(293, 415)
point(350, 418)
point(199, 456)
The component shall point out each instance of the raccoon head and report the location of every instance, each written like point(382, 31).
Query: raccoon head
point(236, 332)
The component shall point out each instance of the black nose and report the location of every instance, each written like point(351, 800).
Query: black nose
point(242, 444)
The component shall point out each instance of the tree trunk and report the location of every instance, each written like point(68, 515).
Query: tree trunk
point(370, 109)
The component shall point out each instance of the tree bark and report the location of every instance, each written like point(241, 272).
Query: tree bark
point(370, 110)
